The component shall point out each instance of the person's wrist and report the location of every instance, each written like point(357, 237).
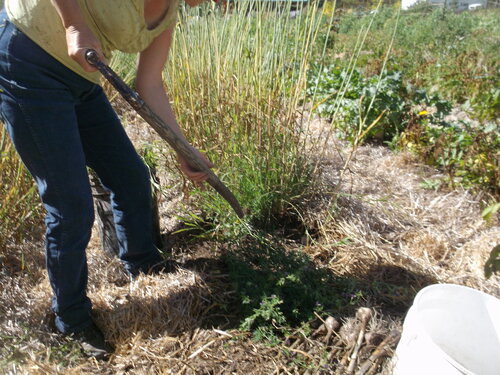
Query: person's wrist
point(74, 28)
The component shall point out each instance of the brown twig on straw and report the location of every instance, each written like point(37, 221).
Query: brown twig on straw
point(363, 314)
point(379, 352)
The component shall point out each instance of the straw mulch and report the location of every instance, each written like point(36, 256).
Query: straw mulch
point(392, 221)
point(164, 325)
point(379, 226)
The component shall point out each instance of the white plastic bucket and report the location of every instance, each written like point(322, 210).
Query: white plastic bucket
point(450, 330)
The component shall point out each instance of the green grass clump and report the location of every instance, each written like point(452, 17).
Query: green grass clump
point(236, 81)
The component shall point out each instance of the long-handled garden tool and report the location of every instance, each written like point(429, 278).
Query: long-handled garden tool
point(180, 145)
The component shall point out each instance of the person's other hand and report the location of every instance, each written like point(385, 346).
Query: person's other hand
point(79, 40)
point(191, 173)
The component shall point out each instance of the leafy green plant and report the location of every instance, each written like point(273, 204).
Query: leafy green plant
point(265, 319)
point(277, 289)
point(486, 103)
point(490, 211)
point(455, 54)
point(431, 184)
point(379, 107)
point(354, 102)
point(468, 154)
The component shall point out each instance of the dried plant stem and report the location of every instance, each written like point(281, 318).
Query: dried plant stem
point(364, 314)
point(379, 352)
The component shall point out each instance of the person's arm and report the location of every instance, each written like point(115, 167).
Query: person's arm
point(79, 37)
point(149, 84)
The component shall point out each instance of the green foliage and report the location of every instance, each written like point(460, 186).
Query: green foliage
point(265, 318)
point(490, 211)
point(149, 156)
point(354, 102)
point(470, 155)
point(456, 54)
point(431, 184)
point(486, 105)
point(377, 108)
point(278, 288)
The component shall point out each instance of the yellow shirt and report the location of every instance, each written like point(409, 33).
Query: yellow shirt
point(118, 24)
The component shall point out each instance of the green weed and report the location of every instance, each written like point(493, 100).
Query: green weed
point(354, 102)
point(431, 184)
point(277, 289)
point(490, 211)
point(469, 155)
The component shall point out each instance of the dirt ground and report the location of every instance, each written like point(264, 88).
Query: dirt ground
point(381, 224)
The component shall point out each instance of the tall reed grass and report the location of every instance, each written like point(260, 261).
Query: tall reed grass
point(237, 80)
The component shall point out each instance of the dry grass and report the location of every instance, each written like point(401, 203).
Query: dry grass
point(391, 219)
point(383, 227)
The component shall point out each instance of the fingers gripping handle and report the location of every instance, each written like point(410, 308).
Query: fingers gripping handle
point(92, 57)
point(128, 94)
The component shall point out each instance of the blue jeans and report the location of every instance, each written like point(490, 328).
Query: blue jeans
point(60, 123)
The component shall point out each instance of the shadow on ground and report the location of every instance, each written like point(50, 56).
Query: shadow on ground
point(261, 283)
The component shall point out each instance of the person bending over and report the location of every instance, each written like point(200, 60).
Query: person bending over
point(60, 122)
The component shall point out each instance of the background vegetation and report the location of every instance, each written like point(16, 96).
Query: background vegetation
point(412, 69)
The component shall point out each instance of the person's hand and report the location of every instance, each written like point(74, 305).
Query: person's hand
point(191, 173)
point(79, 40)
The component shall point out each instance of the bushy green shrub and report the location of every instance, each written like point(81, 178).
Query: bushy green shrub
point(354, 102)
point(278, 288)
point(469, 155)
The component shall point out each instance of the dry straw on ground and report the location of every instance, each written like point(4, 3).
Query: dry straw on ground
point(383, 226)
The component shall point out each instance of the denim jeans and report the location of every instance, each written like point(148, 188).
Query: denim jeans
point(60, 123)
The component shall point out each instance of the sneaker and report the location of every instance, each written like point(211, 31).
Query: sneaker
point(93, 342)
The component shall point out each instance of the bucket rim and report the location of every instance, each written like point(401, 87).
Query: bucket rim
point(428, 288)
